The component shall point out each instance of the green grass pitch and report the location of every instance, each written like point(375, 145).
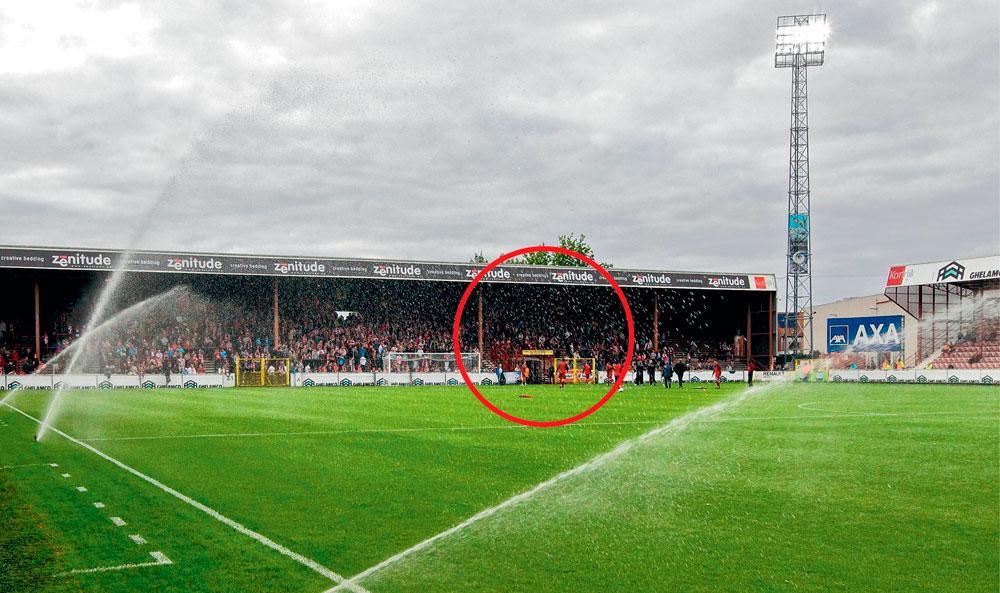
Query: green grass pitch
point(832, 487)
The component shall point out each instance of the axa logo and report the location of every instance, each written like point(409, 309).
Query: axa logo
point(64, 260)
point(952, 271)
point(651, 279)
point(494, 274)
point(727, 281)
point(572, 276)
point(396, 270)
point(299, 267)
point(193, 263)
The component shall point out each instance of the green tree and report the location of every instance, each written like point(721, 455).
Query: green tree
point(571, 242)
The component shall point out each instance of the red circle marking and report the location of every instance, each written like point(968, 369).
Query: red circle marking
point(456, 336)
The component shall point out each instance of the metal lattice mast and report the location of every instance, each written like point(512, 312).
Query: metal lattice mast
point(801, 43)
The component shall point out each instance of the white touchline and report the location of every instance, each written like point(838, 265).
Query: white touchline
point(81, 488)
point(118, 521)
point(63, 475)
point(159, 559)
point(138, 539)
point(239, 527)
point(99, 505)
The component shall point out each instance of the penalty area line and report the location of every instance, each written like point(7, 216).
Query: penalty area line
point(238, 527)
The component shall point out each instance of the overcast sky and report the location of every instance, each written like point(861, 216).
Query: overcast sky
point(432, 130)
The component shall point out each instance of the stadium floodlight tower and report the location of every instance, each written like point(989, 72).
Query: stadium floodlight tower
point(801, 43)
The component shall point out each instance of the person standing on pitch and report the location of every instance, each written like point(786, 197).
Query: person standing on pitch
point(561, 371)
point(750, 369)
point(668, 372)
point(717, 373)
point(651, 369)
point(680, 368)
point(638, 368)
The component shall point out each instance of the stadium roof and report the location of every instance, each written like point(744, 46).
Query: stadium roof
point(61, 258)
point(966, 271)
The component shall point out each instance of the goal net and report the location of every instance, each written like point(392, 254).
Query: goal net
point(262, 372)
point(429, 362)
point(578, 370)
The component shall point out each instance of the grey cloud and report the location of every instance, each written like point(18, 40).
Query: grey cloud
point(439, 129)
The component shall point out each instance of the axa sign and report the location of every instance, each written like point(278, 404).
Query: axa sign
point(883, 333)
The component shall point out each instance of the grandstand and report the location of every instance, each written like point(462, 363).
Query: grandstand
point(956, 304)
point(346, 315)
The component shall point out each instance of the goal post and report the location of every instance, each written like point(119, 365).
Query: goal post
point(578, 370)
point(429, 362)
point(263, 372)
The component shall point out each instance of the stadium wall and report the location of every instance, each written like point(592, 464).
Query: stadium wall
point(211, 380)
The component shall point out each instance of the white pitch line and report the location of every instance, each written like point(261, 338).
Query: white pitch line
point(697, 415)
point(223, 435)
point(675, 425)
point(65, 475)
point(138, 539)
point(159, 559)
point(81, 488)
point(98, 505)
point(22, 465)
point(238, 527)
point(118, 521)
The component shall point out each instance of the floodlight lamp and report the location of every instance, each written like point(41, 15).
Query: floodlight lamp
point(801, 40)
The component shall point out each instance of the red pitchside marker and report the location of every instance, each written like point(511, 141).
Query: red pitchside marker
point(456, 336)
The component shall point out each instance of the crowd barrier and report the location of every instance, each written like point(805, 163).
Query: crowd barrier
point(81, 381)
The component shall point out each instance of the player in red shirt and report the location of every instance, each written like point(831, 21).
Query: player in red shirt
point(619, 369)
point(586, 371)
point(561, 372)
point(609, 370)
point(717, 373)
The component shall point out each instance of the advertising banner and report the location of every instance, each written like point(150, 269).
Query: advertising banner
point(798, 243)
point(883, 333)
point(945, 272)
point(200, 263)
point(84, 381)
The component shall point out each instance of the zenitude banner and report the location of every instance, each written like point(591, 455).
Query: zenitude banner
point(264, 265)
